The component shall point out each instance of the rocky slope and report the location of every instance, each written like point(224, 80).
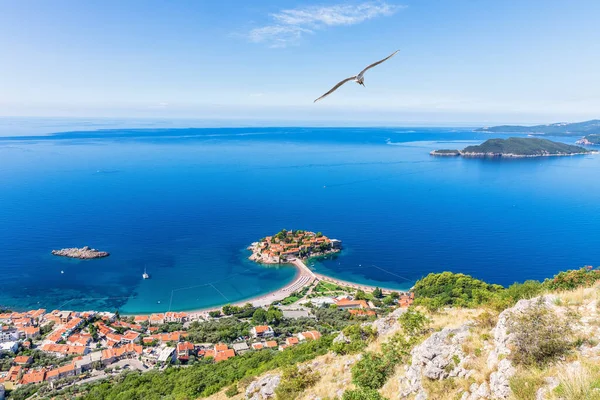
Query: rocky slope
point(468, 355)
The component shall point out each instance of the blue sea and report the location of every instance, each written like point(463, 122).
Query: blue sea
point(185, 204)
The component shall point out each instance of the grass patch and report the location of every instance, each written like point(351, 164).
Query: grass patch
point(525, 384)
point(579, 384)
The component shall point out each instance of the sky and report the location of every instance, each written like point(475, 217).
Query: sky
point(460, 61)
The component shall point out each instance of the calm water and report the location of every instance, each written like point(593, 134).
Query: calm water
point(186, 203)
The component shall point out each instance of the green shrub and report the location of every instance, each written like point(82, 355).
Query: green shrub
point(413, 322)
point(372, 371)
point(539, 335)
point(295, 381)
point(362, 394)
point(450, 289)
point(358, 335)
point(573, 279)
point(232, 391)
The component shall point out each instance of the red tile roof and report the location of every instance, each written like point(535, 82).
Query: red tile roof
point(224, 355)
point(220, 347)
point(13, 373)
point(261, 328)
point(209, 353)
point(352, 303)
point(311, 335)
point(33, 376)
point(23, 359)
point(185, 346)
point(362, 312)
point(131, 335)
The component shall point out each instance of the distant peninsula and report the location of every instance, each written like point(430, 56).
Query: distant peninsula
point(515, 148)
point(286, 245)
point(84, 253)
point(557, 129)
point(590, 140)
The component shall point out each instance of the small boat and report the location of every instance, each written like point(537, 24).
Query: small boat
point(145, 274)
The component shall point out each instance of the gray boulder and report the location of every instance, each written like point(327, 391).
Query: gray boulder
point(263, 388)
point(440, 356)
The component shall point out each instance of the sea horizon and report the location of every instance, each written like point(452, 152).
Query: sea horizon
point(185, 204)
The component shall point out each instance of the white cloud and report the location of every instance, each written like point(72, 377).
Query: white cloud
point(291, 25)
point(159, 105)
point(277, 35)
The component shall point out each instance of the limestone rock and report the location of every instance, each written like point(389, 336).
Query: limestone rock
point(263, 388)
point(385, 324)
point(500, 380)
point(341, 338)
point(477, 392)
point(440, 356)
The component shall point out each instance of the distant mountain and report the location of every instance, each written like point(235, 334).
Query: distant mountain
point(515, 147)
point(590, 140)
point(558, 129)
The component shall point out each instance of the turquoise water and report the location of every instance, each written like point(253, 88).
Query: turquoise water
point(185, 203)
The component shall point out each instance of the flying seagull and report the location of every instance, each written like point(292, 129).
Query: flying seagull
point(360, 79)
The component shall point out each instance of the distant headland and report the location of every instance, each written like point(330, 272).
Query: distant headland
point(287, 245)
point(557, 129)
point(515, 148)
point(589, 140)
point(84, 253)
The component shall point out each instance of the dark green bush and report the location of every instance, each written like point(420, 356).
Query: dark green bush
point(362, 394)
point(372, 371)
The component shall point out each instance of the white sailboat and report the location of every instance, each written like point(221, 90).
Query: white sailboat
point(145, 274)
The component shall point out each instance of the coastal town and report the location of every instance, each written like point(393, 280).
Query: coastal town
point(61, 348)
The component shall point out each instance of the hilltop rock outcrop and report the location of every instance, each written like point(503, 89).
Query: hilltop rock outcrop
point(498, 357)
point(264, 388)
point(440, 356)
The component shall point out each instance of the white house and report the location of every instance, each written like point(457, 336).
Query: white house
point(167, 355)
point(9, 347)
point(262, 331)
point(8, 334)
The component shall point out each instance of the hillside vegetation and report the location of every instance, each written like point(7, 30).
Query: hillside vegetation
point(522, 147)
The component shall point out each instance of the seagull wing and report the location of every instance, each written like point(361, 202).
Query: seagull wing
point(333, 89)
point(377, 63)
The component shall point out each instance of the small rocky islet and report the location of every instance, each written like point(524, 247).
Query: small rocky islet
point(84, 253)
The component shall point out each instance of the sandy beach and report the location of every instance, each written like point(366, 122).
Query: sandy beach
point(304, 277)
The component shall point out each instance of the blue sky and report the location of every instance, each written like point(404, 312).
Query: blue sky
point(461, 61)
